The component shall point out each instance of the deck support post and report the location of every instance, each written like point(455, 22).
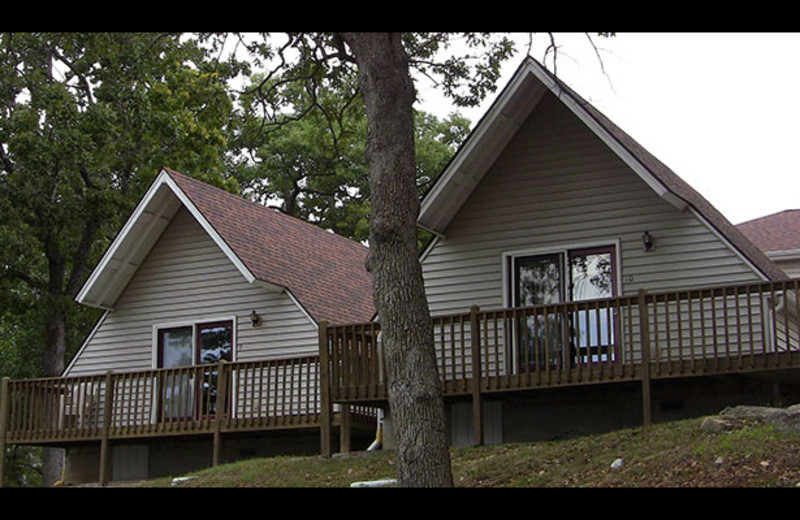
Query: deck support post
point(4, 410)
point(105, 449)
point(477, 402)
point(220, 410)
point(326, 408)
point(644, 327)
point(345, 429)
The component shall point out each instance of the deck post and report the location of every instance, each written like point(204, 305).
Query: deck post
point(477, 403)
point(644, 327)
point(326, 408)
point(345, 429)
point(4, 409)
point(220, 410)
point(105, 451)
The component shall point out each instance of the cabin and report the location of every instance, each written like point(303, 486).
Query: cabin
point(576, 284)
point(196, 279)
point(778, 235)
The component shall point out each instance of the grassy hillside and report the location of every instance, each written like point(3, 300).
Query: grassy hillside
point(679, 454)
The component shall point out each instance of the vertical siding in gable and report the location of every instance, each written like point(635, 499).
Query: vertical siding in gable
point(187, 278)
point(556, 185)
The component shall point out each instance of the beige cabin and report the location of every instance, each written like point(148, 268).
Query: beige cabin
point(566, 258)
point(199, 277)
point(576, 284)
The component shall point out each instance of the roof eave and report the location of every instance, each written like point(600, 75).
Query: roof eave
point(140, 233)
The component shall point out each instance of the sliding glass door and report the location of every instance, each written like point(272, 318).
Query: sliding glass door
point(189, 394)
point(553, 336)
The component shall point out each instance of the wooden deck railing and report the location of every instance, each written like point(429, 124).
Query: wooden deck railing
point(717, 330)
point(706, 331)
point(225, 397)
point(213, 399)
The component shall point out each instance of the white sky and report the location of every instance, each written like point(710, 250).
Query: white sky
point(720, 109)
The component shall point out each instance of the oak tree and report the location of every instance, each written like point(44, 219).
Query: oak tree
point(86, 121)
point(383, 62)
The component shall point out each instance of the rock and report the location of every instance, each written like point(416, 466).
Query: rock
point(618, 464)
point(179, 480)
point(784, 419)
point(716, 423)
point(374, 483)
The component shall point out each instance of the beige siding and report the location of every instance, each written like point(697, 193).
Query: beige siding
point(557, 185)
point(187, 279)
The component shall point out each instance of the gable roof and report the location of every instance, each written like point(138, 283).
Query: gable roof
point(507, 114)
point(325, 273)
point(777, 232)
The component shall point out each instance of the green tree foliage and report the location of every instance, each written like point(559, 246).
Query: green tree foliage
point(87, 121)
point(308, 160)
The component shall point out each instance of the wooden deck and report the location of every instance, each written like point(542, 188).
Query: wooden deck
point(713, 331)
point(212, 400)
point(710, 331)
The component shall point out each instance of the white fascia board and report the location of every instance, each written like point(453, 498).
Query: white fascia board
point(302, 308)
point(85, 343)
point(493, 119)
point(735, 250)
point(496, 117)
point(127, 234)
point(123, 235)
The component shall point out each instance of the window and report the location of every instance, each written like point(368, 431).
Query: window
point(185, 394)
point(557, 337)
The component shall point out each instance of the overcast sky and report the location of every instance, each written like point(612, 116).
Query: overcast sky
point(720, 109)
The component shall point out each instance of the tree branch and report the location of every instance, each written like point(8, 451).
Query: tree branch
point(7, 164)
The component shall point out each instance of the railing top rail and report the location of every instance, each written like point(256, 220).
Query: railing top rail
point(626, 299)
point(65, 382)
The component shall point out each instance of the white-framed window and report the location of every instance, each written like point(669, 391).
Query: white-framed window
point(562, 337)
point(207, 342)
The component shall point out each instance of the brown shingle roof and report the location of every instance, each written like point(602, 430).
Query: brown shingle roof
point(325, 272)
point(777, 232)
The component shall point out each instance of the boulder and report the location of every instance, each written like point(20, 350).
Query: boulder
point(783, 419)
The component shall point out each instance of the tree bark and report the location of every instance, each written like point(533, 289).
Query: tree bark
point(414, 391)
point(55, 341)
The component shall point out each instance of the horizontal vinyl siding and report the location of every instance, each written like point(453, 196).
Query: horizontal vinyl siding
point(557, 185)
point(188, 279)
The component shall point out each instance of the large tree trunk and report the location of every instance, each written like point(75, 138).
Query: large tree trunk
point(414, 392)
point(55, 341)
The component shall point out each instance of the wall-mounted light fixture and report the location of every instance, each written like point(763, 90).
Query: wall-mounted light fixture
point(255, 319)
point(647, 242)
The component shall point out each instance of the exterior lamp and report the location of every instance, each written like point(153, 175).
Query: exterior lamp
point(647, 242)
point(255, 319)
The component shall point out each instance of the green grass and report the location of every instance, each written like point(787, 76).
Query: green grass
point(678, 454)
